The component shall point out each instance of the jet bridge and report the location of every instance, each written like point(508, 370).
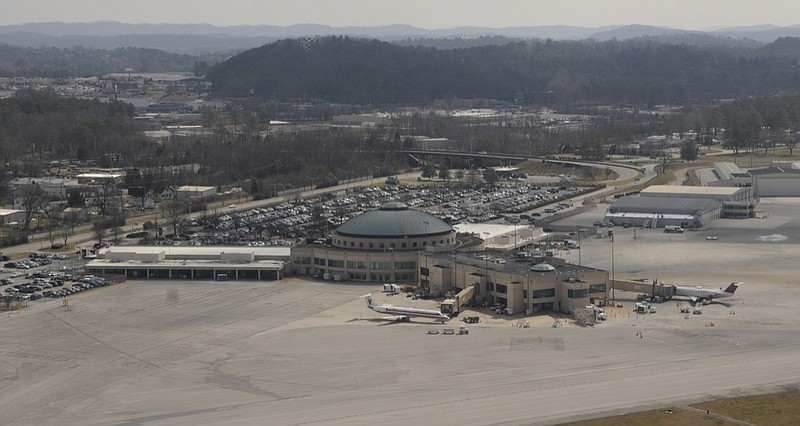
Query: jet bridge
point(653, 290)
point(453, 306)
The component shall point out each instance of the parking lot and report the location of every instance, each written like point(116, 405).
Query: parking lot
point(42, 275)
point(511, 201)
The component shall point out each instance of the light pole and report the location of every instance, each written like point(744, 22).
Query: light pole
point(374, 173)
point(613, 283)
point(530, 296)
point(515, 236)
point(486, 260)
point(425, 247)
point(455, 267)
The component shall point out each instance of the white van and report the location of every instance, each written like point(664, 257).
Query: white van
point(673, 229)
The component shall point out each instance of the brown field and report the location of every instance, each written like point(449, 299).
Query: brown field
point(776, 409)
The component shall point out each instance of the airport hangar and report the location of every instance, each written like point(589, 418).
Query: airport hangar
point(687, 206)
point(781, 179)
point(393, 244)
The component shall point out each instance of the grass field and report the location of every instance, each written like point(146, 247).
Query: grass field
point(781, 409)
point(775, 410)
point(586, 174)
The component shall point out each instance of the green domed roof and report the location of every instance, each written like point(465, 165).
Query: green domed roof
point(394, 220)
point(543, 267)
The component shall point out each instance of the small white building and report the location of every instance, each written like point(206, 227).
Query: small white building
point(186, 192)
point(10, 216)
point(100, 178)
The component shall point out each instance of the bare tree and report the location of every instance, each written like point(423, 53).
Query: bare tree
point(791, 143)
point(99, 230)
point(102, 195)
point(70, 222)
point(51, 226)
point(33, 198)
point(172, 211)
point(116, 231)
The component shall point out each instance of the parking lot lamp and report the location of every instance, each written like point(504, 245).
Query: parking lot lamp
point(613, 281)
point(486, 257)
point(530, 296)
point(425, 247)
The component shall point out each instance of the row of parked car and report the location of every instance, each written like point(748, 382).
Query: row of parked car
point(35, 260)
point(27, 263)
point(51, 285)
point(86, 283)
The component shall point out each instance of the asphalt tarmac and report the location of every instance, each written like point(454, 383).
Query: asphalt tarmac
point(307, 352)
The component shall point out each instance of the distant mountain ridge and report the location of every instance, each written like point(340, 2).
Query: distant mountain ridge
point(206, 38)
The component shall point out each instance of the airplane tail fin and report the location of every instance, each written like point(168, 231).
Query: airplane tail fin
point(369, 299)
point(732, 288)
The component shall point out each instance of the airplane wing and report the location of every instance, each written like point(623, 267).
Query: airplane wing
point(396, 318)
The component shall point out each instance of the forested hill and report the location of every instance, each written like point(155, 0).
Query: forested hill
point(81, 62)
point(341, 69)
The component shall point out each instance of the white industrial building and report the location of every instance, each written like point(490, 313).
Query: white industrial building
point(11, 216)
point(737, 202)
point(686, 206)
point(782, 179)
point(729, 174)
point(658, 212)
point(187, 191)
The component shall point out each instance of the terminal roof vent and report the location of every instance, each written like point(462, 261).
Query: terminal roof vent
point(393, 205)
point(543, 267)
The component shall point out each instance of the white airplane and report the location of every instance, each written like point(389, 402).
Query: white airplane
point(705, 295)
point(402, 314)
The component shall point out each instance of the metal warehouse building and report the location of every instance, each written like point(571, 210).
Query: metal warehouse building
point(737, 202)
point(658, 212)
point(782, 179)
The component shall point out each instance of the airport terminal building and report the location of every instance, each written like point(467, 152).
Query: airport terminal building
point(393, 244)
point(377, 246)
point(545, 285)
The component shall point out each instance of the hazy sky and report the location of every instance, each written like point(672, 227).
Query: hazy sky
point(430, 14)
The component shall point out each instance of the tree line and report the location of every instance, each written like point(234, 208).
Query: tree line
point(83, 62)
